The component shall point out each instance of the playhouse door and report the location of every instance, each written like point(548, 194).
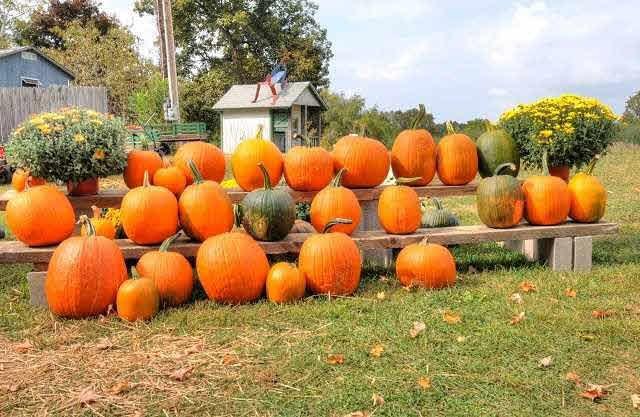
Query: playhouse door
point(280, 119)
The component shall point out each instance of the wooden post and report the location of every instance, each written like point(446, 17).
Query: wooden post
point(161, 37)
point(174, 99)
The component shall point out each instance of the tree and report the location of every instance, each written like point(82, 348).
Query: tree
point(43, 29)
point(342, 116)
point(146, 103)
point(12, 13)
point(632, 109)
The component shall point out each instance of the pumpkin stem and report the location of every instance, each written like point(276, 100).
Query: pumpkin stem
point(424, 241)
point(134, 273)
point(592, 165)
point(197, 175)
point(169, 241)
point(145, 181)
point(260, 132)
point(502, 167)
point(545, 161)
point(84, 221)
point(437, 202)
point(265, 175)
point(335, 222)
point(403, 180)
point(450, 129)
point(422, 114)
point(97, 212)
point(337, 180)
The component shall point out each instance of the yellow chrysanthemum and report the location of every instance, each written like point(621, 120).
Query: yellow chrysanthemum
point(79, 137)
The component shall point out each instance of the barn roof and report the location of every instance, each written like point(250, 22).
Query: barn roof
point(241, 96)
point(12, 51)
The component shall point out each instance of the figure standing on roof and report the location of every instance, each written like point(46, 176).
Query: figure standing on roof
point(278, 75)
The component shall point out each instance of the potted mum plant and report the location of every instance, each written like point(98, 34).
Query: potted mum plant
point(573, 128)
point(72, 146)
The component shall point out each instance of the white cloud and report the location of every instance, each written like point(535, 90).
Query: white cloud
point(387, 67)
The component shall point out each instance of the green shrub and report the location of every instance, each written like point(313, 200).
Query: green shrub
point(146, 103)
point(630, 133)
point(69, 145)
point(576, 129)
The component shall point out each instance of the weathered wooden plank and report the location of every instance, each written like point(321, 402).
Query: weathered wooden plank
point(16, 252)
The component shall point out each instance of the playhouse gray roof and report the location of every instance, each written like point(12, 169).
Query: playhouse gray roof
point(12, 51)
point(241, 96)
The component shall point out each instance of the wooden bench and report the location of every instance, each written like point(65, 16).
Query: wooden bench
point(565, 247)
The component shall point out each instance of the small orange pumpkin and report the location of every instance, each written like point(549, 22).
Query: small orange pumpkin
point(84, 275)
point(336, 201)
point(232, 268)
point(138, 298)
point(103, 227)
point(149, 214)
point(171, 178)
point(331, 262)
point(457, 158)
point(205, 208)
point(588, 196)
point(399, 208)
point(248, 154)
point(426, 265)
point(308, 168)
point(366, 161)
point(208, 158)
point(414, 153)
point(139, 162)
point(21, 179)
point(285, 283)
point(40, 216)
point(547, 198)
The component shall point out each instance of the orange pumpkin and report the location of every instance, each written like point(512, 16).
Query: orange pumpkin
point(414, 153)
point(84, 275)
point(366, 161)
point(137, 298)
point(426, 265)
point(399, 209)
point(232, 268)
point(330, 262)
point(248, 154)
point(171, 178)
point(285, 283)
point(139, 162)
point(336, 201)
point(208, 158)
point(171, 272)
point(40, 216)
point(588, 196)
point(21, 179)
point(547, 198)
point(205, 208)
point(308, 169)
point(103, 227)
point(149, 214)
point(457, 158)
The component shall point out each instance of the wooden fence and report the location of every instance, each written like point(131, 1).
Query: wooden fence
point(16, 104)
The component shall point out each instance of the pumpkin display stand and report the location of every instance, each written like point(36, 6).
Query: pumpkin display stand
point(90, 186)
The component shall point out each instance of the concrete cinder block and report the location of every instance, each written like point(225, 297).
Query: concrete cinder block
point(557, 253)
point(37, 295)
point(529, 248)
point(369, 221)
point(582, 253)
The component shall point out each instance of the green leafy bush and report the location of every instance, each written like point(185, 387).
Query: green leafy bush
point(69, 145)
point(576, 129)
point(630, 133)
point(145, 104)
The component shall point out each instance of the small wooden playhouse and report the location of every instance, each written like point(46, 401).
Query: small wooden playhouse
point(296, 114)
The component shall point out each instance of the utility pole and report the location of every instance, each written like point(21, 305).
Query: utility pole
point(161, 40)
point(173, 107)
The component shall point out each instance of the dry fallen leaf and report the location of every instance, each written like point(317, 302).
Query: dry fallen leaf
point(87, 396)
point(181, 374)
point(198, 347)
point(23, 347)
point(570, 292)
point(527, 286)
point(376, 351)
point(120, 388)
point(380, 295)
point(516, 298)
point(450, 317)
point(424, 382)
point(418, 327)
point(635, 400)
point(104, 344)
point(377, 400)
point(601, 314)
point(572, 377)
point(517, 318)
point(595, 392)
point(545, 362)
point(357, 414)
point(335, 359)
point(461, 339)
point(228, 359)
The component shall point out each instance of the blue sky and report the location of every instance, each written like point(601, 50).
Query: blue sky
point(467, 59)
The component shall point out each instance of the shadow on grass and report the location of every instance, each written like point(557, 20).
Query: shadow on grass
point(621, 249)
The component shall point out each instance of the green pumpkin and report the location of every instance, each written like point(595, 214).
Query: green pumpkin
point(496, 147)
point(500, 199)
point(268, 214)
point(438, 216)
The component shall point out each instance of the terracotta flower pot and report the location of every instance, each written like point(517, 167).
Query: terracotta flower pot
point(86, 187)
point(560, 172)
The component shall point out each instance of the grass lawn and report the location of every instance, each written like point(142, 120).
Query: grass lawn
point(268, 360)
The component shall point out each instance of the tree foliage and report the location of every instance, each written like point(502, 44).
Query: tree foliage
point(12, 15)
point(632, 109)
point(146, 103)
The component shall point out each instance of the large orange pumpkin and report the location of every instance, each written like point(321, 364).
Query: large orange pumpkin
point(149, 214)
point(21, 179)
point(331, 262)
point(426, 265)
point(457, 158)
point(139, 162)
point(84, 275)
point(366, 161)
point(171, 178)
point(308, 168)
point(205, 208)
point(285, 283)
point(547, 198)
point(336, 201)
point(40, 216)
point(414, 153)
point(588, 196)
point(399, 209)
point(137, 298)
point(171, 272)
point(232, 268)
point(208, 158)
point(103, 227)
point(248, 154)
